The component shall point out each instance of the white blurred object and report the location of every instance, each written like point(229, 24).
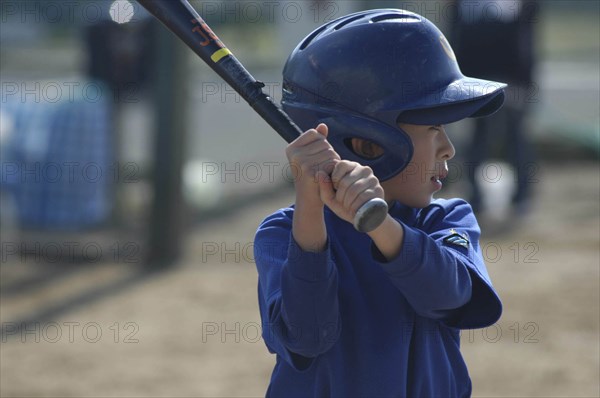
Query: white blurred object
point(8, 208)
point(134, 122)
point(496, 182)
point(121, 11)
point(7, 125)
point(202, 183)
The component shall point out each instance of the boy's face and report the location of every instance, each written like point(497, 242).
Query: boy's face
point(417, 183)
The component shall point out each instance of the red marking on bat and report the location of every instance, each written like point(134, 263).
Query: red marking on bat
point(207, 34)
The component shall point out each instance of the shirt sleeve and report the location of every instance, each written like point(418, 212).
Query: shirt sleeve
point(440, 269)
point(297, 293)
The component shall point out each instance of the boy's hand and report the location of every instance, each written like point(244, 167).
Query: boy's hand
point(307, 155)
point(349, 187)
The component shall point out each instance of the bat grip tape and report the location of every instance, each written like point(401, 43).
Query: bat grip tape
point(277, 118)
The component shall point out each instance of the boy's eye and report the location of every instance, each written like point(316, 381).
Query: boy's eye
point(365, 149)
point(371, 150)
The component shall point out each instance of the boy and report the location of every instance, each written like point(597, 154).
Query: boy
point(375, 314)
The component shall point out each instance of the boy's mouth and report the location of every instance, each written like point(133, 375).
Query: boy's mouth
point(438, 177)
point(443, 173)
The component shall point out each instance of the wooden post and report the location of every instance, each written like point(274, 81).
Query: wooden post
point(166, 218)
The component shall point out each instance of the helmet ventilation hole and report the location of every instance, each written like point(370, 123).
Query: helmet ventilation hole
point(312, 36)
point(395, 17)
point(347, 21)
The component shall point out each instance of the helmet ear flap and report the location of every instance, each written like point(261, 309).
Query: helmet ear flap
point(396, 144)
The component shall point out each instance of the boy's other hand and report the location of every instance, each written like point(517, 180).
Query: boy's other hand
point(349, 186)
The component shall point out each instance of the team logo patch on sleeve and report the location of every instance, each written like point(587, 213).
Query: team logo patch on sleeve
point(454, 238)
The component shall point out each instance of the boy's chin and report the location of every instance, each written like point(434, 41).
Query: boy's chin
point(417, 203)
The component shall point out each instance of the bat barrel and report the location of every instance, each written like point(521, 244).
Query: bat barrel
point(180, 18)
point(185, 22)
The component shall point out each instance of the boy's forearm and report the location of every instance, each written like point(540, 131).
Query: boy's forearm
point(308, 226)
point(388, 237)
point(425, 262)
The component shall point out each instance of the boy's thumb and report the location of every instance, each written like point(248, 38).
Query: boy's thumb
point(325, 184)
point(323, 129)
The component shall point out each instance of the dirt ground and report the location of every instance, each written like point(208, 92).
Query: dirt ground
point(194, 331)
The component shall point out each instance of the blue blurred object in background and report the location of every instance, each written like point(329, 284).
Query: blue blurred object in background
point(58, 159)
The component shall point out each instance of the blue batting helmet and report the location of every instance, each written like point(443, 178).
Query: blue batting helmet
point(363, 73)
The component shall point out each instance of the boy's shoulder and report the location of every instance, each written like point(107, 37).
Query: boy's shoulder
point(455, 211)
point(449, 205)
point(281, 216)
point(437, 208)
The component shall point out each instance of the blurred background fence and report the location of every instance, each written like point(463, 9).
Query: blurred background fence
point(119, 147)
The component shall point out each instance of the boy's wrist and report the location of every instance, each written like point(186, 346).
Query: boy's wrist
point(308, 226)
point(388, 237)
point(309, 205)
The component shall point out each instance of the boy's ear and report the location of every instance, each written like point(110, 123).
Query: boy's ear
point(366, 149)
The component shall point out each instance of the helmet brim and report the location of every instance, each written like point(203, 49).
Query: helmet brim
point(464, 98)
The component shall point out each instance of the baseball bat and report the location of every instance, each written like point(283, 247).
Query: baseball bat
point(182, 19)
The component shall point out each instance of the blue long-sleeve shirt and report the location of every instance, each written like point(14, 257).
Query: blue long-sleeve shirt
point(345, 322)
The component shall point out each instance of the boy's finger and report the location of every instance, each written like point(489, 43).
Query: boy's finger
point(358, 189)
point(310, 148)
point(345, 189)
point(340, 171)
point(327, 165)
point(362, 198)
point(307, 137)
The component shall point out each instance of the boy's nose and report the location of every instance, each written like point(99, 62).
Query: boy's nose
point(446, 149)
